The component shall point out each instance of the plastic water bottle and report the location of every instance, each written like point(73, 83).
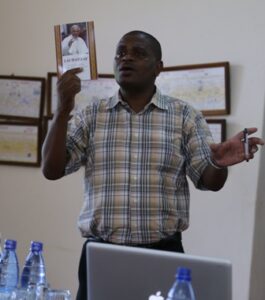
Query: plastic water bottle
point(9, 269)
point(182, 288)
point(34, 273)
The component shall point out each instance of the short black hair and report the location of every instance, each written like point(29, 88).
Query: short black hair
point(154, 42)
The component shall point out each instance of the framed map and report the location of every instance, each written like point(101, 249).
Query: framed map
point(218, 129)
point(102, 87)
point(205, 86)
point(21, 97)
point(20, 143)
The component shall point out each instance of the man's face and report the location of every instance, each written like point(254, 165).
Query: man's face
point(135, 64)
point(75, 31)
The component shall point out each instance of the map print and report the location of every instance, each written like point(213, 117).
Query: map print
point(20, 98)
point(90, 90)
point(101, 88)
point(18, 143)
point(202, 88)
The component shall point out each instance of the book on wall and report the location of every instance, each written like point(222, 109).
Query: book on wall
point(75, 48)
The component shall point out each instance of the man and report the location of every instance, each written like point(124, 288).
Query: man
point(74, 44)
point(137, 148)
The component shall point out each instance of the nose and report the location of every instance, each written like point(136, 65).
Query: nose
point(127, 56)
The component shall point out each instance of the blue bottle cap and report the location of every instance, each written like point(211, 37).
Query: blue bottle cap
point(183, 274)
point(36, 246)
point(10, 244)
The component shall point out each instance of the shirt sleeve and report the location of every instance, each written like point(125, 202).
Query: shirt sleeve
point(197, 140)
point(77, 142)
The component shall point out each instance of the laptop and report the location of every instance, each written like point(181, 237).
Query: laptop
point(129, 273)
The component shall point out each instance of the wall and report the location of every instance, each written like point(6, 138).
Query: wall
point(191, 32)
point(257, 287)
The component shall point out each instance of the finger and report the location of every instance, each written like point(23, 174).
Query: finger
point(71, 71)
point(253, 149)
point(69, 78)
point(256, 141)
point(250, 130)
point(214, 147)
point(75, 71)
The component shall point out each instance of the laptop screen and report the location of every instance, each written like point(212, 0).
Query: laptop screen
point(129, 273)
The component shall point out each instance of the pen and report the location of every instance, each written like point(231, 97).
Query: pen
point(246, 145)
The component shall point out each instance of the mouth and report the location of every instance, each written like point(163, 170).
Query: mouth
point(126, 69)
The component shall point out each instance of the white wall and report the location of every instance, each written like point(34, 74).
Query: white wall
point(257, 287)
point(191, 32)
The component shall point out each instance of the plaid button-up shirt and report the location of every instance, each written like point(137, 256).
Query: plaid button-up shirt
point(135, 184)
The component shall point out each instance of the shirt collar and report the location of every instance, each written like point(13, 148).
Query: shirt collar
point(158, 100)
point(114, 100)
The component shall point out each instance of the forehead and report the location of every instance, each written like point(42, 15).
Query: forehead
point(75, 28)
point(135, 41)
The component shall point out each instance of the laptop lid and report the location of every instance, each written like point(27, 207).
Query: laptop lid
point(130, 273)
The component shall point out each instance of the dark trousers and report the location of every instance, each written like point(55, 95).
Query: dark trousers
point(173, 244)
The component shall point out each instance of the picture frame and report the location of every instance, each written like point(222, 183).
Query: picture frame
point(102, 87)
point(21, 97)
point(75, 47)
point(205, 86)
point(20, 143)
point(218, 129)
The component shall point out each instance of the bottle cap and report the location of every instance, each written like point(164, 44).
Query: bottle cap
point(183, 274)
point(10, 244)
point(36, 246)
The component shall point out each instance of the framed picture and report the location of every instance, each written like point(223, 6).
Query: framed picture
point(104, 86)
point(218, 129)
point(21, 97)
point(205, 86)
point(20, 143)
point(75, 47)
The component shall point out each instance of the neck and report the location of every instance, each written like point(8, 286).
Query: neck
point(136, 99)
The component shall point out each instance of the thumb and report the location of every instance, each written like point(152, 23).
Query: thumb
point(214, 147)
point(74, 71)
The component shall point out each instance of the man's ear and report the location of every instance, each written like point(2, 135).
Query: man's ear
point(159, 67)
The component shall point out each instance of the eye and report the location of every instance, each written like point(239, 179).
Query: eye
point(120, 54)
point(136, 53)
point(140, 53)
